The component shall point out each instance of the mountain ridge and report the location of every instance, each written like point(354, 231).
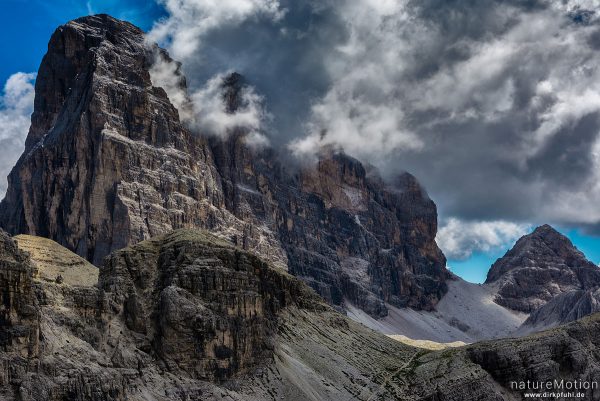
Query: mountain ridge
point(109, 163)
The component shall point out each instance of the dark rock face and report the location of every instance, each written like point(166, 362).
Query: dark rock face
point(380, 236)
point(203, 307)
point(487, 370)
point(346, 233)
point(540, 266)
point(187, 316)
point(564, 308)
point(563, 353)
point(179, 317)
point(108, 164)
point(19, 314)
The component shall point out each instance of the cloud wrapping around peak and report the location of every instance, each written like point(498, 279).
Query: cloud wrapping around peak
point(211, 114)
point(460, 239)
point(494, 105)
point(16, 106)
point(166, 74)
point(205, 109)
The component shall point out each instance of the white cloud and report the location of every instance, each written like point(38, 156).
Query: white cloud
point(182, 33)
point(211, 114)
point(362, 129)
point(16, 106)
point(190, 20)
point(368, 108)
point(165, 74)
point(362, 111)
point(483, 102)
point(460, 239)
point(428, 87)
point(205, 110)
point(576, 5)
point(90, 8)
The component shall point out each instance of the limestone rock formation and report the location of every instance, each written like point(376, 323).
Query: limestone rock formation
point(203, 307)
point(19, 314)
point(350, 235)
point(368, 224)
point(489, 370)
point(539, 267)
point(563, 308)
point(188, 316)
point(108, 163)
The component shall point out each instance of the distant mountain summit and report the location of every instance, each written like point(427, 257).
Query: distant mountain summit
point(109, 163)
point(539, 267)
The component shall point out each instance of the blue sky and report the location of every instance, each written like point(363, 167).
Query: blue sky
point(31, 22)
point(26, 26)
point(475, 268)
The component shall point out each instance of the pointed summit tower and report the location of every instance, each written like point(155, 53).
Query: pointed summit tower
point(540, 266)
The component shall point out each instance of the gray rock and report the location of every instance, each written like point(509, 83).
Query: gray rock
point(490, 369)
point(562, 309)
point(183, 316)
point(188, 316)
point(108, 163)
point(19, 312)
point(539, 267)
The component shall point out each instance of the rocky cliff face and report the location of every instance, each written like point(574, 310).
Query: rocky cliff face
point(539, 267)
point(201, 306)
point(188, 316)
point(563, 308)
point(487, 370)
point(347, 233)
point(183, 316)
point(108, 163)
point(367, 225)
point(19, 315)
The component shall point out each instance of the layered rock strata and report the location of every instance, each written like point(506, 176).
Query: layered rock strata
point(108, 163)
point(188, 316)
point(541, 266)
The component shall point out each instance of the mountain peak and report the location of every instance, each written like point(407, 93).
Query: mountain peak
point(545, 228)
point(233, 84)
point(549, 232)
point(541, 265)
point(76, 50)
point(109, 164)
point(530, 249)
point(103, 21)
point(104, 27)
point(95, 101)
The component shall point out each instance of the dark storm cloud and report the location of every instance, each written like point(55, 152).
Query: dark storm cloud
point(493, 105)
point(283, 59)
